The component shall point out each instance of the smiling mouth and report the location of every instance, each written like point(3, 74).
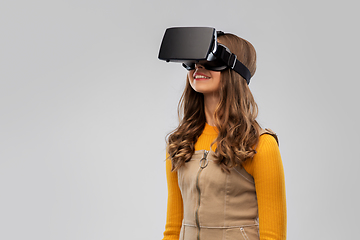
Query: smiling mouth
point(200, 77)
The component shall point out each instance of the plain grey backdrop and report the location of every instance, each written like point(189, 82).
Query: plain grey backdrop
point(85, 106)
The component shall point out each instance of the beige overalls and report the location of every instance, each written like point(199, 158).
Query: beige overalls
point(217, 205)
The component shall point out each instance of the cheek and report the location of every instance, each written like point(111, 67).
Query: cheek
point(217, 78)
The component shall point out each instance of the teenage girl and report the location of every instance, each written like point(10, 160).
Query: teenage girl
point(224, 172)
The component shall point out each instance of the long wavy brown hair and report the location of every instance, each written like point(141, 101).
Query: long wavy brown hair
point(235, 115)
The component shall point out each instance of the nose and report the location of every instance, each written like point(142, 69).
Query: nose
point(198, 65)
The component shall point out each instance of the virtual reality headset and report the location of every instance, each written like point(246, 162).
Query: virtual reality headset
point(198, 45)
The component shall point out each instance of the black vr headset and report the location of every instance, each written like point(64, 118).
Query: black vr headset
point(191, 45)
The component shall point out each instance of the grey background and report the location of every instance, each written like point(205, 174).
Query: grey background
point(85, 106)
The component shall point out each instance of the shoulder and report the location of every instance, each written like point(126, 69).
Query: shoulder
point(268, 143)
point(268, 140)
point(268, 132)
point(267, 161)
point(267, 150)
point(267, 153)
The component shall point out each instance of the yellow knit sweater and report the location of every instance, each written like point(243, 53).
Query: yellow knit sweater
point(267, 170)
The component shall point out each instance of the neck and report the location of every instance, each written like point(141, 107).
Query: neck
point(210, 103)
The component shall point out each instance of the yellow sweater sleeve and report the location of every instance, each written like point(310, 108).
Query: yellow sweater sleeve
point(267, 169)
point(174, 205)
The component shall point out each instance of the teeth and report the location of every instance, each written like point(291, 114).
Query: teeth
point(200, 76)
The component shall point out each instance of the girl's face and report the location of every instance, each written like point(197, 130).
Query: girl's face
point(204, 81)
